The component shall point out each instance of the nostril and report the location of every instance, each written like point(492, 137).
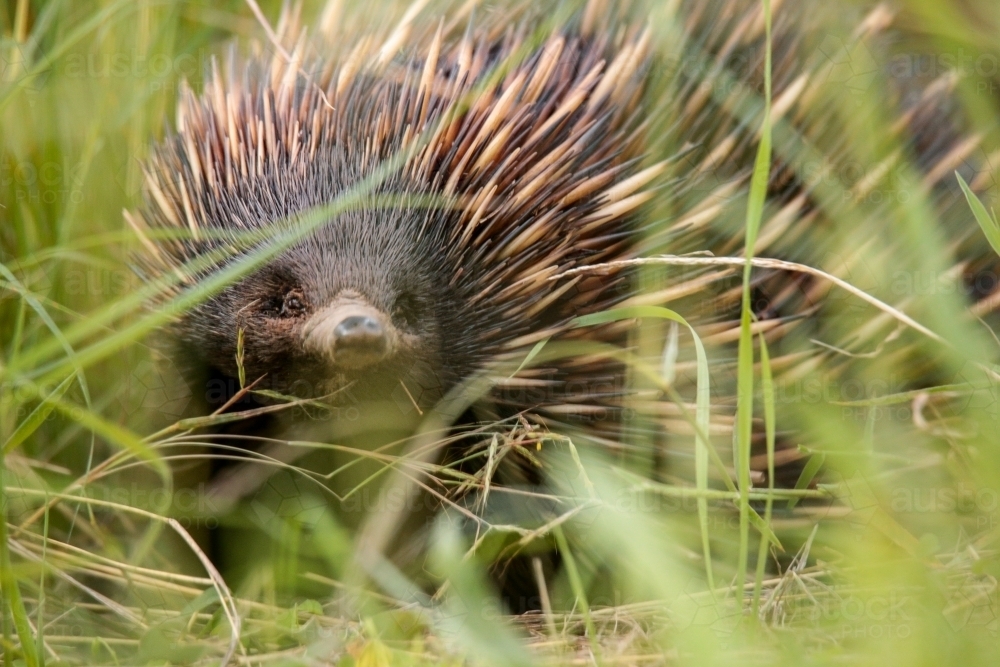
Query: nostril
point(360, 329)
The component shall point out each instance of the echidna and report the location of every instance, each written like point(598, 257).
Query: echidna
point(478, 167)
point(517, 156)
point(489, 162)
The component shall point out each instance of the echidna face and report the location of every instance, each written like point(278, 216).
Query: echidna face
point(355, 311)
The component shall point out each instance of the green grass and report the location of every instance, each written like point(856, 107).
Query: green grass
point(812, 469)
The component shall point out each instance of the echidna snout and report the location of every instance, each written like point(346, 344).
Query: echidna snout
point(350, 334)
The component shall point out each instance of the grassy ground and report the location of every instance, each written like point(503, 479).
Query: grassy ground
point(862, 372)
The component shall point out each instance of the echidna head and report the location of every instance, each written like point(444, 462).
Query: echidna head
point(360, 309)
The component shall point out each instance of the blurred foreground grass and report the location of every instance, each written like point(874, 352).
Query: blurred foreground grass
point(889, 525)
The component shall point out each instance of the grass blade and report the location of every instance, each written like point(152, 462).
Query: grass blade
point(702, 409)
point(37, 416)
point(807, 475)
point(987, 221)
point(9, 587)
point(744, 401)
point(767, 391)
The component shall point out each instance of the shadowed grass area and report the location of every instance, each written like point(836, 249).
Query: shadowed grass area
point(809, 460)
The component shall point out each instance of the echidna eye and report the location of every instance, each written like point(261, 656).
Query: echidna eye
point(407, 310)
point(293, 304)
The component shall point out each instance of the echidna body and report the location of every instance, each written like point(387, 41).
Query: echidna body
point(480, 168)
point(468, 175)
